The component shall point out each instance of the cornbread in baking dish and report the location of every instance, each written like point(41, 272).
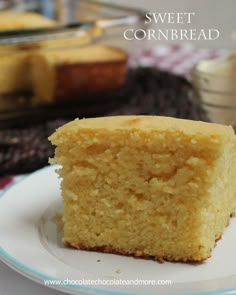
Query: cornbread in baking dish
point(15, 66)
point(19, 20)
point(15, 20)
point(70, 73)
point(14, 59)
point(146, 186)
point(52, 72)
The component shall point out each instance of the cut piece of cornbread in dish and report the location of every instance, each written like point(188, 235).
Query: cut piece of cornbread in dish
point(14, 59)
point(146, 186)
point(15, 66)
point(65, 74)
point(14, 73)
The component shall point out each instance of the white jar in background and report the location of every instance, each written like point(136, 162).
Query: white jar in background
point(214, 82)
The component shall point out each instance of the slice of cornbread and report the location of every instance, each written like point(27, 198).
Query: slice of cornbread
point(146, 186)
point(70, 73)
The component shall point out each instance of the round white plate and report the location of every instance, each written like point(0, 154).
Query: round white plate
point(30, 243)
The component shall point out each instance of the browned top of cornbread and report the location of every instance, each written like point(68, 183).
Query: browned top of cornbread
point(12, 20)
point(18, 20)
point(146, 123)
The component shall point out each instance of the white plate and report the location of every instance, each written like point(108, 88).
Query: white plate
point(31, 245)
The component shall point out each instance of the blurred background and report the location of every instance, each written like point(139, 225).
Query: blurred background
point(62, 59)
point(208, 14)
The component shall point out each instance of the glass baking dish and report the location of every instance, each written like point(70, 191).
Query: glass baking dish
point(81, 40)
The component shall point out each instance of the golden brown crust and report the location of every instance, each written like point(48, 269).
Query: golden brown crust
point(78, 79)
point(160, 259)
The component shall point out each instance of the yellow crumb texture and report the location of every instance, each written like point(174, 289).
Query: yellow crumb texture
point(145, 185)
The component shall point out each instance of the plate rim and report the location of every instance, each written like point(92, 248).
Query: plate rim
point(39, 277)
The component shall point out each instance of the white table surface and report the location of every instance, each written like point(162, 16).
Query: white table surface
point(12, 283)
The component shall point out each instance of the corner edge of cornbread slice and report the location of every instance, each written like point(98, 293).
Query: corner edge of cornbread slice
point(146, 186)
